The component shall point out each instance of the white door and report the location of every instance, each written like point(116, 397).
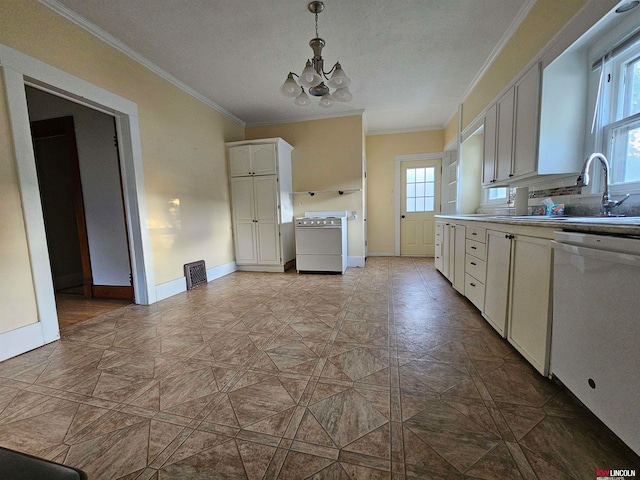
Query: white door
point(419, 203)
point(266, 216)
point(240, 161)
point(243, 220)
point(497, 280)
point(263, 159)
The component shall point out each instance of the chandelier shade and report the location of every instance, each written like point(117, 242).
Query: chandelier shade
point(302, 100)
point(342, 95)
point(290, 88)
point(313, 76)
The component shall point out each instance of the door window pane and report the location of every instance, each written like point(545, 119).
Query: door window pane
point(420, 189)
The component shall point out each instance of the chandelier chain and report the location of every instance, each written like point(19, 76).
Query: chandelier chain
point(317, 26)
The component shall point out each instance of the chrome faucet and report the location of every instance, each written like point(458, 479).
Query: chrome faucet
point(606, 204)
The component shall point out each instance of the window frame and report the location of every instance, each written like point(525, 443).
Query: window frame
point(611, 114)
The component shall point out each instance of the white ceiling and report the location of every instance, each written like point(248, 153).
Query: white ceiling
point(410, 61)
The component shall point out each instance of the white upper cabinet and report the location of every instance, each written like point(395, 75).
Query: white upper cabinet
point(249, 160)
point(526, 122)
point(511, 132)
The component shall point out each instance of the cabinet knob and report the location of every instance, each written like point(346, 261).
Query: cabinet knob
point(511, 174)
point(474, 248)
point(473, 263)
point(472, 284)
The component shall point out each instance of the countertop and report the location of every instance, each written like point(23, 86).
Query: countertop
point(602, 225)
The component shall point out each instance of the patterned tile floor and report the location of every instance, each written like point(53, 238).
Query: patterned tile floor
point(384, 372)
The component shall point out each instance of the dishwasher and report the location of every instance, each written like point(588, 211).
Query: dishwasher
point(595, 346)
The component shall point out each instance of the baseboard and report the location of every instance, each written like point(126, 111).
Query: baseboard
point(261, 268)
point(179, 285)
point(110, 291)
point(221, 271)
point(374, 254)
point(355, 261)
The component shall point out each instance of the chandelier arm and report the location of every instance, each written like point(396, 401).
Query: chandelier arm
point(330, 71)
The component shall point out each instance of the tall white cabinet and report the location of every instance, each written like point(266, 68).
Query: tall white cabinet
point(261, 204)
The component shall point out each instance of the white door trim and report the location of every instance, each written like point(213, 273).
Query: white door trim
point(399, 159)
point(20, 69)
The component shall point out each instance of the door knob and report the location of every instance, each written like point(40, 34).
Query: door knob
point(402, 216)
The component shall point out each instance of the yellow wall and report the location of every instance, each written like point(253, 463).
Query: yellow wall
point(327, 155)
point(451, 129)
point(543, 22)
point(381, 157)
point(182, 148)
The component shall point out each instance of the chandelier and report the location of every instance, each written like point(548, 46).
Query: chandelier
point(313, 75)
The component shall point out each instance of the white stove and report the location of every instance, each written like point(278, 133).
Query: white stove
point(321, 242)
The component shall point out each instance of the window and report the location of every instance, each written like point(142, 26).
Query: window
point(421, 189)
point(497, 194)
point(620, 123)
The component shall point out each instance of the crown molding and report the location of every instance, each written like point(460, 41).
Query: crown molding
point(393, 131)
point(112, 41)
point(349, 113)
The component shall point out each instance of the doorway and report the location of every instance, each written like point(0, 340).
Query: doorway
point(19, 70)
point(67, 222)
point(418, 187)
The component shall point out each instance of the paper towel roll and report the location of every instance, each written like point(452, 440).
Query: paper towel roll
point(522, 200)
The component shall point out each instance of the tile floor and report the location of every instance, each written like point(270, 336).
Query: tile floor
point(384, 372)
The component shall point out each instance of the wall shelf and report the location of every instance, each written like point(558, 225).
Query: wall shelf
point(339, 192)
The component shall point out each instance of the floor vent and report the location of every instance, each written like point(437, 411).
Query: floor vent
point(196, 274)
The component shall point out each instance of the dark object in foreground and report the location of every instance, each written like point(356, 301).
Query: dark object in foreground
point(21, 466)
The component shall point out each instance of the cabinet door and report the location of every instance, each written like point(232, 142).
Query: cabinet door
point(242, 203)
point(525, 147)
point(439, 251)
point(268, 230)
point(240, 161)
point(263, 159)
point(497, 280)
point(504, 146)
point(445, 249)
point(459, 258)
point(489, 157)
point(451, 257)
point(529, 315)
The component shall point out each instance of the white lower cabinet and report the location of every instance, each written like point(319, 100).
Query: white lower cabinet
point(529, 321)
point(458, 255)
point(450, 253)
point(497, 280)
point(518, 292)
point(255, 212)
point(507, 276)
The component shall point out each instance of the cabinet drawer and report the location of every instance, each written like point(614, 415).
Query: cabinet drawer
point(439, 231)
point(476, 233)
point(438, 248)
point(475, 267)
point(477, 249)
point(474, 291)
